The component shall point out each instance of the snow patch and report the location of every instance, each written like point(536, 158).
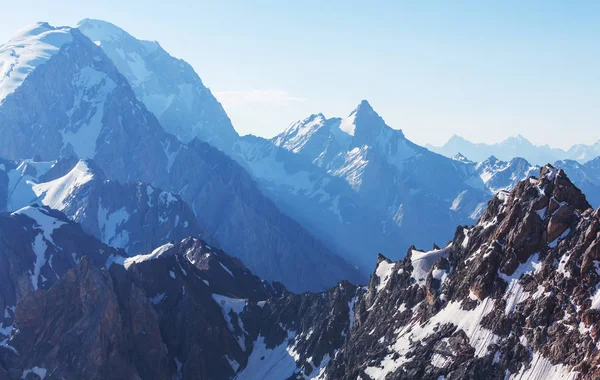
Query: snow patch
point(157, 253)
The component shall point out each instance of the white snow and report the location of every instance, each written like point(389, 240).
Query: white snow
point(355, 162)
point(299, 133)
point(234, 365)
point(562, 265)
point(45, 226)
point(422, 262)
point(109, 221)
point(41, 372)
point(515, 293)
point(551, 173)
point(555, 242)
point(466, 320)
point(226, 269)
point(230, 305)
point(55, 194)
point(93, 88)
point(387, 365)
point(98, 30)
point(266, 165)
point(541, 213)
point(26, 50)
point(270, 363)
point(541, 368)
point(157, 253)
point(348, 124)
point(20, 192)
point(157, 298)
point(170, 153)
point(351, 312)
point(383, 271)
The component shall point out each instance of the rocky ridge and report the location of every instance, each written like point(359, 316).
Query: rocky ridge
point(514, 296)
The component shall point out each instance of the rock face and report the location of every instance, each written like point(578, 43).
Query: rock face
point(39, 246)
point(101, 326)
point(77, 103)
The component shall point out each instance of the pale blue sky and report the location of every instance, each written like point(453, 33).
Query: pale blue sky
point(483, 70)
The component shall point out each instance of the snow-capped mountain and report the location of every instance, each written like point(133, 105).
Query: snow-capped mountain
point(409, 192)
point(135, 217)
point(500, 175)
point(583, 153)
point(75, 102)
point(169, 87)
point(508, 298)
point(513, 147)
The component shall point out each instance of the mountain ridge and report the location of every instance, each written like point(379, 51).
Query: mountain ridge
point(516, 146)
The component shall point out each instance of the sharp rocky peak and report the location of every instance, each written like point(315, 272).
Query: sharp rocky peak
point(508, 296)
point(366, 125)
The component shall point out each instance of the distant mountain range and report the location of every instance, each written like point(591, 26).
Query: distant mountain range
point(516, 146)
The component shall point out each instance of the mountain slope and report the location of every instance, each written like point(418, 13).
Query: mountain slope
point(169, 87)
point(410, 191)
point(135, 217)
point(78, 104)
point(514, 296)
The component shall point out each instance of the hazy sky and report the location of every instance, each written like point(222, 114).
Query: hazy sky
point(483, 71)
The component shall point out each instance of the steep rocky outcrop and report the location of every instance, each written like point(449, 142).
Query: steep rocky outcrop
point(90, 324)
point(37, 247)
point(513, 295)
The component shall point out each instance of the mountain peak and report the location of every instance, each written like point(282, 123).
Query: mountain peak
point(364, 106)
point(516, 139)
point(99, 30)
point(362, 121)
point(27, 49)
point(459, 157)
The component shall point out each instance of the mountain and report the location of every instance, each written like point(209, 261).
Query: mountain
point(516, 146)
point(75, 102)
point(169, 87)
point(583, 153)
point(495, 302)
point(512, 147)
point(586, 176)
point(500, 175)
point(135, 217)
point(39, 246)
point(507, 298)
point(407, 191)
